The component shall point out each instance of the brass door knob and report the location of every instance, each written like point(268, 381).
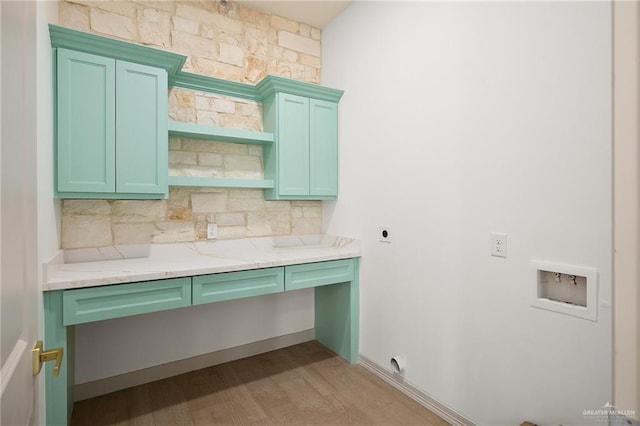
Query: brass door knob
point(39, 356)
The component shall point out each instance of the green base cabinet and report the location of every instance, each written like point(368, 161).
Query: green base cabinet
point(337, 303)
point(112, 139)
point(59, 395)
point(335, 283)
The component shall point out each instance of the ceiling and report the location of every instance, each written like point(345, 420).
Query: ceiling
point(316, 13)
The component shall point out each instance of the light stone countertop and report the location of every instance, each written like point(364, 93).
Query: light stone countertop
point(123, 264)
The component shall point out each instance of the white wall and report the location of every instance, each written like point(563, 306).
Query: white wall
point(626, 292)
point(108, 348)
point(460, 119)
point(48, 206)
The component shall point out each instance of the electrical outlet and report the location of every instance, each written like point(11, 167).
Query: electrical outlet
point(212, 231)
point(384, 234)
point(498, 244)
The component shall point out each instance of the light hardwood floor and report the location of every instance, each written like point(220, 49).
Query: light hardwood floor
point(299, 385)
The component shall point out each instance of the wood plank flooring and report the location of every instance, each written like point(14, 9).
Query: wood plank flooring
point(305, 384)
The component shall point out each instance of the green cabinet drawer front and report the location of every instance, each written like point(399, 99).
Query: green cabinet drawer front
point(236, 285)
point(113, 301)
point(141, 132)
point(86, 122)
point(323, 145)
point(317, 274)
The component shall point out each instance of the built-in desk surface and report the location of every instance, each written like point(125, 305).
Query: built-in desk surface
point(133, 263)
point(88, 285)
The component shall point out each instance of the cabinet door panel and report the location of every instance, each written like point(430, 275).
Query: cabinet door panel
point(86, 122)
point(141, 134)
point(293, 141)
point(323, 171)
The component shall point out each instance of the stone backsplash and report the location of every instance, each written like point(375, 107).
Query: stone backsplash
point(221, 39)
point(184, 216)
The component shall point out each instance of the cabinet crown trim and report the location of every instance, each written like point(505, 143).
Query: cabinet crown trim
point(172, 62)
point(274, 84)
point(265, 88)
point(205, 83)
point(116, 49)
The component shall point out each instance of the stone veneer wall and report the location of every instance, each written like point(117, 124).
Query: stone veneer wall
point(221, 39)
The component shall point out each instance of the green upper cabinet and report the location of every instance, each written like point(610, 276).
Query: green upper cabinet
point(303, 162)
point(141, 129)
point(112, 124)
point(293, 143)
point(86, 122)
point(111, 128)
point(323, 148)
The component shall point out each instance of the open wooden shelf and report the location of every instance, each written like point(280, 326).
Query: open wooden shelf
point(219, 182)
point(199, 131)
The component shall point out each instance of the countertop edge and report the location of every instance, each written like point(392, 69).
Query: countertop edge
point(133, 276)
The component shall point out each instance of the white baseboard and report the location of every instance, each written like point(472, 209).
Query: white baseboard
point(414, 393)
point(158, 372)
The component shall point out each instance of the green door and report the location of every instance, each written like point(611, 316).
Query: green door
point(86, 122)
point(293, 145)
point(323, 145)
point(141, 133)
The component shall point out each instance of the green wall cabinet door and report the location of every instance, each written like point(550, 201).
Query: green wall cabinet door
point(112, 128)
point(86, 122)
point(304, 160)
point(323, 143)
point(141, 129)
point(293, 138)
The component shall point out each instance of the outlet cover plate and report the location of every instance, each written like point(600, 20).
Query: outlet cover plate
point(384, 234)
point(212, 231)
point(498, 244)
